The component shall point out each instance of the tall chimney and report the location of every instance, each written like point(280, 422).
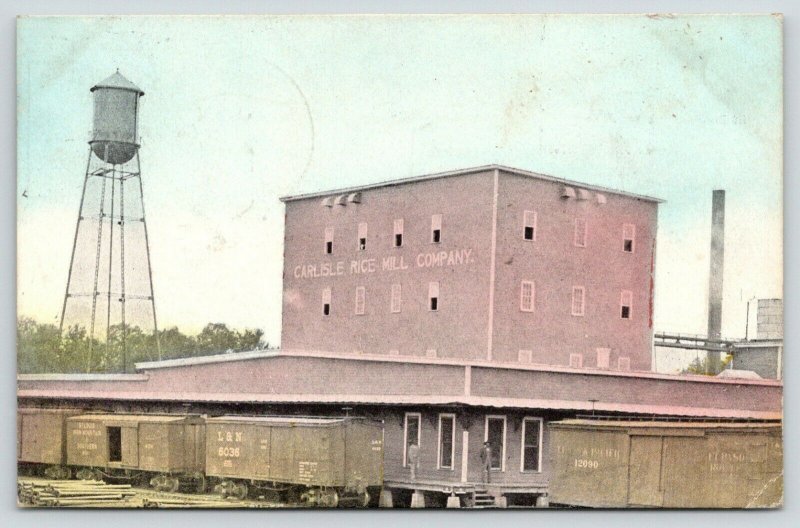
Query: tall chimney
point(715, 274)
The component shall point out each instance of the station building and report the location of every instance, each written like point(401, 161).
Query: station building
point(463, 307)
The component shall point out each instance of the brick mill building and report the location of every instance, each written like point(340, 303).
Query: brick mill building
point(458, 307)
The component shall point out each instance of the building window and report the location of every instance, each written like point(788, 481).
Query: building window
point(531, 444)
point(433, 296)
point(361, 294)
point(576, 360)
point(529, 225)
point(603, 357)
point(362, 236)
point(436, 228)
point(398, 232)
point(326, 301)
point(578, 300)
point(625, 302)
point(525, 356)
point(495, 434)
point(430, 353)
point(411, 434)
point(114, 444)
point(526, 296)
point(328, 240)
point(628, 237)
point(580, 232)
point(447, 432)
point(624, 363)
point(396, 298)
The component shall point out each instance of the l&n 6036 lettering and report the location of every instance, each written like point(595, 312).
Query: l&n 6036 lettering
point(228, 452)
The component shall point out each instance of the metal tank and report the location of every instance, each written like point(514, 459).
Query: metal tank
point(116, 119)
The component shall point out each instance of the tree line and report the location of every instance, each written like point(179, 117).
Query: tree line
point(41, 348)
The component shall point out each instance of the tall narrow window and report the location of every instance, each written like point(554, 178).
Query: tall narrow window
point(495, 434)
point(114, 444)
point(526, 296)
point(580, 232)
point(625, 302)
point(436, 228)
point(628, 238)
point(362, 236)
point(411, 434)
point(361, 294)
point(326, 301)
point(578, 300)
point(397, 298)
point(603, 357)
point(447, 431)
point(398, 232)
point(328, 240)
point(531, 444)
point(529, 225)
point(433, 296)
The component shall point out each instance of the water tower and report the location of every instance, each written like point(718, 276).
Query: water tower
point(110, 280)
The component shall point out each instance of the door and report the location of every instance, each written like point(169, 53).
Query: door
point(130, 446)
point(644, 481)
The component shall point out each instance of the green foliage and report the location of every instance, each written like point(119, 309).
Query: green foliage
point(706, 368)
point(40, 348)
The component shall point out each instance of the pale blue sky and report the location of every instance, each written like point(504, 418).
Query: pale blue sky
point(241, 110)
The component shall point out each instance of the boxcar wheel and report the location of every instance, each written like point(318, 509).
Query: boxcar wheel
point(200, 486)
point(240, 491)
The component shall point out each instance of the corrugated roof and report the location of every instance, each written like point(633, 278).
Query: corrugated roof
point(462, 172)
point(292, 420)
point(128, 418)
point(635, 424)
point(119, 82)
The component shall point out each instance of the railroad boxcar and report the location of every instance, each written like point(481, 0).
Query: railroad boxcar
point(41, 441)
point(650, 464)
point(167, 449)
point(321, 461)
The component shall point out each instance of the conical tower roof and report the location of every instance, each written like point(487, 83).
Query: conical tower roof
point(119, 82)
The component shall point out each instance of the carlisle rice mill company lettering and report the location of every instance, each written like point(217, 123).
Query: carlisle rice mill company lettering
point(434, 259)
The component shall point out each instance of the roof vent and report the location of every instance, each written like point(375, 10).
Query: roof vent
point(583, 194)
point(354, 197)
point(601, 198)
point(567, 192)
point(327, 202)
point(341, 200)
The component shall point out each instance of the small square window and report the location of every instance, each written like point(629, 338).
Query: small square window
point(603, 355)
point(624, 363)
point(576, 360)
point(524, 356)
point(430, 353)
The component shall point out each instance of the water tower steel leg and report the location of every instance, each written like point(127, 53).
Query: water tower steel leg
point(97, 266)
point(147, 249)
point(110, 262)
point(122, 270)
point(75, 243)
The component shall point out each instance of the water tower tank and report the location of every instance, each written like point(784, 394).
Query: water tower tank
point(116, 108)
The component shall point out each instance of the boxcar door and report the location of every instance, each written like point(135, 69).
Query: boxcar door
point(644, 483)
point(130, 445)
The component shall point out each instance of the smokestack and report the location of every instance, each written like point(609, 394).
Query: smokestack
point(715, 274)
